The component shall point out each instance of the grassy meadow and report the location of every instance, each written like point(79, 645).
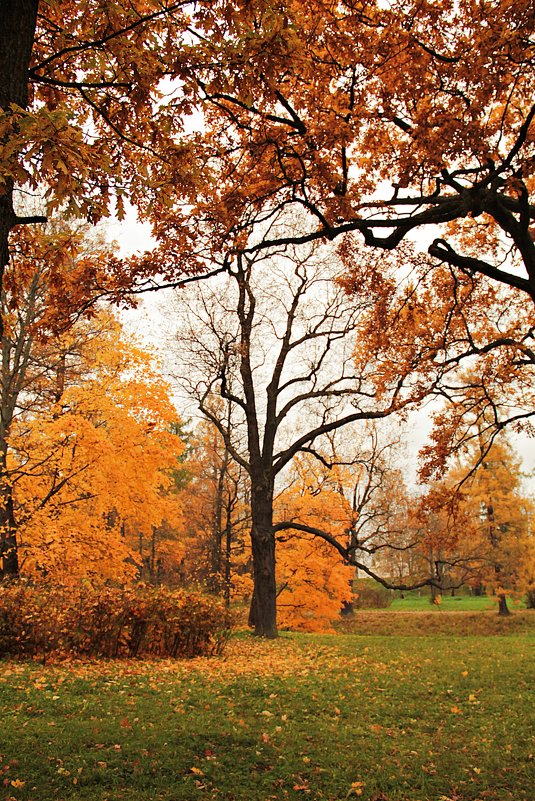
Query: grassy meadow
point(393, 711)
point(456, 603)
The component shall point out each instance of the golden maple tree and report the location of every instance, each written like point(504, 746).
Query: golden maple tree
point(313, 582)
point(54, 349)
point(90, 464)
point(53, 280)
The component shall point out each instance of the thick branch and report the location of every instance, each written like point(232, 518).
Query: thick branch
point(442, 250)
point(348, 556)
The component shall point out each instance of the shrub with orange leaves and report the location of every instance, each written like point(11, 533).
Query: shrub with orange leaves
point(109, 622)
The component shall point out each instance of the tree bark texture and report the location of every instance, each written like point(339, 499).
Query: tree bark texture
point(9, 560)
point(9, 567)
point(263, 613)
point(17, 31)
point(503, 609)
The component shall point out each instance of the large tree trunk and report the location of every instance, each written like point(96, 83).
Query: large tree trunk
point(17, 31)
point(263, 613)
point(17, 34)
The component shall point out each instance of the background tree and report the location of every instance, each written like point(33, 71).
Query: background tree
point(360, 469)
point(476, 525)
point(313, 582)
point(288, 339)
point(51, 281)
point(498, 515)
point(216, 517)
point(90, 463)
point(473, 336)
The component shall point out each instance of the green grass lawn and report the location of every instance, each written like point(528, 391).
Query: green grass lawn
point(457, 603)
point(380, 718)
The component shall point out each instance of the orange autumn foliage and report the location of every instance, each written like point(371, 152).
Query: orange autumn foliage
point(216, 517)
point(475, 525)
point(66, 622)
point(312, 580)
point(313, 583)
point(371, 118)
point(265, 106)
point(497, 514)
point(92, 470)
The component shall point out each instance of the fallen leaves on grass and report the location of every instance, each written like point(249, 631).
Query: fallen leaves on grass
point(243, 657)
point(356, 788)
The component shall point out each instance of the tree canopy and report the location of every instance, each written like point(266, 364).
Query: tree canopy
point(426, 122)
point(217, 116)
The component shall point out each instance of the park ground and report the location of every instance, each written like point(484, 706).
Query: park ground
point(422, 706)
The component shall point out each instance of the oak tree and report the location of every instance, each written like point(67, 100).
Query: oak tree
point(294, 115)
point(83, 121)
point(279, 346)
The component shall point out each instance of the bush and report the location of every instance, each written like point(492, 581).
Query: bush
point(109, 622)
point(370, 595)
point(530, 598)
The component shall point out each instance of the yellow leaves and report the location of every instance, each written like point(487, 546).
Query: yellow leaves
point(98, 462)
point(314, 583)
point(356, 788)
